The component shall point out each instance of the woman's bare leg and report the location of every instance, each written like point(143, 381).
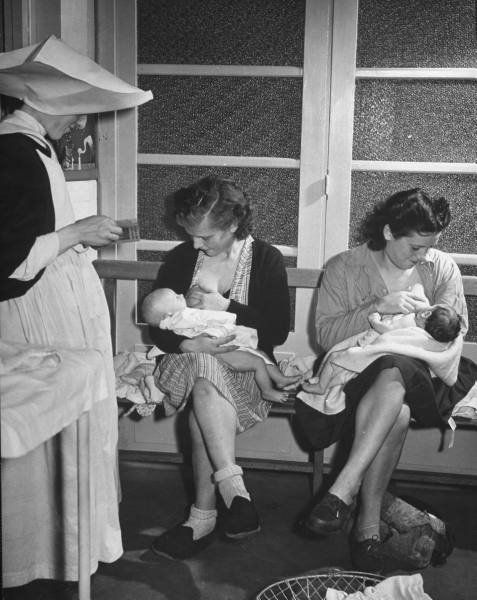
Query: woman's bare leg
point(202, 468)
point(213, 427)
point(377, 477)
point(214, 449)
point(378, 413)
point(213, 431)
point(381, 423)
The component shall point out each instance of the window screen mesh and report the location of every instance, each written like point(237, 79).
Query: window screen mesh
point(461, 192)
point(237, 116)
point(431, 121)
point(273, 195)
point(228, 32)
point(417, 33)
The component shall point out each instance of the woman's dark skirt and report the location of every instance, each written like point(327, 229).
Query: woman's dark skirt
point(430, 400)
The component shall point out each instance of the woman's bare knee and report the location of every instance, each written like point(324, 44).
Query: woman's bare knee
point(390, 375)
point(202, 390)
point(390, 384)
point(404, 417)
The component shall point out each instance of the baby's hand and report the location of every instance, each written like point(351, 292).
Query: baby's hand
point(374, 317)
point(194, 296)
point(377, 322)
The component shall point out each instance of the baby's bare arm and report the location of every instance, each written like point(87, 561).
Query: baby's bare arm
point(381, 323)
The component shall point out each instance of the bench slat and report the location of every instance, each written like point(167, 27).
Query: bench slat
point(147, 271)
point(297, 278)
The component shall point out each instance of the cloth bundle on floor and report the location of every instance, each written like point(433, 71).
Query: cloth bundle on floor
point(414, 538)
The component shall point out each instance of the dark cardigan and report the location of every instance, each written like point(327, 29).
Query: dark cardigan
point(26, 207)
point(268, 309)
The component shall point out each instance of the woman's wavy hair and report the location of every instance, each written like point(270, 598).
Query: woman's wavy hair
point(220, 199)
point(405, 212)
point(443, 324)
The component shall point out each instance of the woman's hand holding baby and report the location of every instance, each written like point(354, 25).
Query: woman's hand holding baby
point(210, 345)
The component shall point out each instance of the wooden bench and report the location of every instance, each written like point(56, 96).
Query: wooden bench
point(110, 271)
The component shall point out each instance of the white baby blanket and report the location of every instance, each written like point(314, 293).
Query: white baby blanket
point(351, 356)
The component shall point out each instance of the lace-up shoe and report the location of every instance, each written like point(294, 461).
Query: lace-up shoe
point(328, 516)
point(370, 555)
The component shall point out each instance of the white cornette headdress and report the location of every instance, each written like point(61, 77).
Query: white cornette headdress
point(55, 79)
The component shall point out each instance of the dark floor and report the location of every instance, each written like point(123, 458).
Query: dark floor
point(155, 497)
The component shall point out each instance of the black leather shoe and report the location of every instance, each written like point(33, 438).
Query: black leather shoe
point(370, 556)
point(328, 516)
point(241, 519)
point(178, 543)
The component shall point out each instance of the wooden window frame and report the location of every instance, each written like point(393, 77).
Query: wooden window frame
point(341, 169)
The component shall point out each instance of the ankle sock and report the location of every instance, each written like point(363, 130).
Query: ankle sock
point(202, 522)
point(231, 484)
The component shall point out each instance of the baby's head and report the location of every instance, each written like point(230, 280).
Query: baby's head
point(440, 321)
point(161, 303)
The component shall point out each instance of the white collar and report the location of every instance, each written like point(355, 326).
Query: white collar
point(22, 122)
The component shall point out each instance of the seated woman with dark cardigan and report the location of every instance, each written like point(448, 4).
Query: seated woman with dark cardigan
point(250, 280)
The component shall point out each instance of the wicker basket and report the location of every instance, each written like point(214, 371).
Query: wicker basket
point(314, 586)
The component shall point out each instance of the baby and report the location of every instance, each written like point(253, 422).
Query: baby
point(441, 322)
point(165, 309)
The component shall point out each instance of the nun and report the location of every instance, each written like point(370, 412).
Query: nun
point(50, 295)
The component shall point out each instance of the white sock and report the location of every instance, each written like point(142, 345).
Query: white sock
point(230, 482)
point(201, 521)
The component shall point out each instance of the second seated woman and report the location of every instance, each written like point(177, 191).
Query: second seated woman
point(400, 234)
point(249, 279)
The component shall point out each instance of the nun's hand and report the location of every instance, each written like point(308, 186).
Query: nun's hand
point(97, 231)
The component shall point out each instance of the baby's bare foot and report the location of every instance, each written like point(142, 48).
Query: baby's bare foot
point(311, 388)
point(272, 395)
point(287, 381)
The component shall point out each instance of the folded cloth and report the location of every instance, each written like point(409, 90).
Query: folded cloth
point(467, 407)
point(39, 402)
point(134, 379)
point(13, 358)
point(298, 365)
point(398, 587)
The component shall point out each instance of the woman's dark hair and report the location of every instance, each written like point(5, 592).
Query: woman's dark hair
point(219, 199)
point(444, 324)
point(405, 212)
